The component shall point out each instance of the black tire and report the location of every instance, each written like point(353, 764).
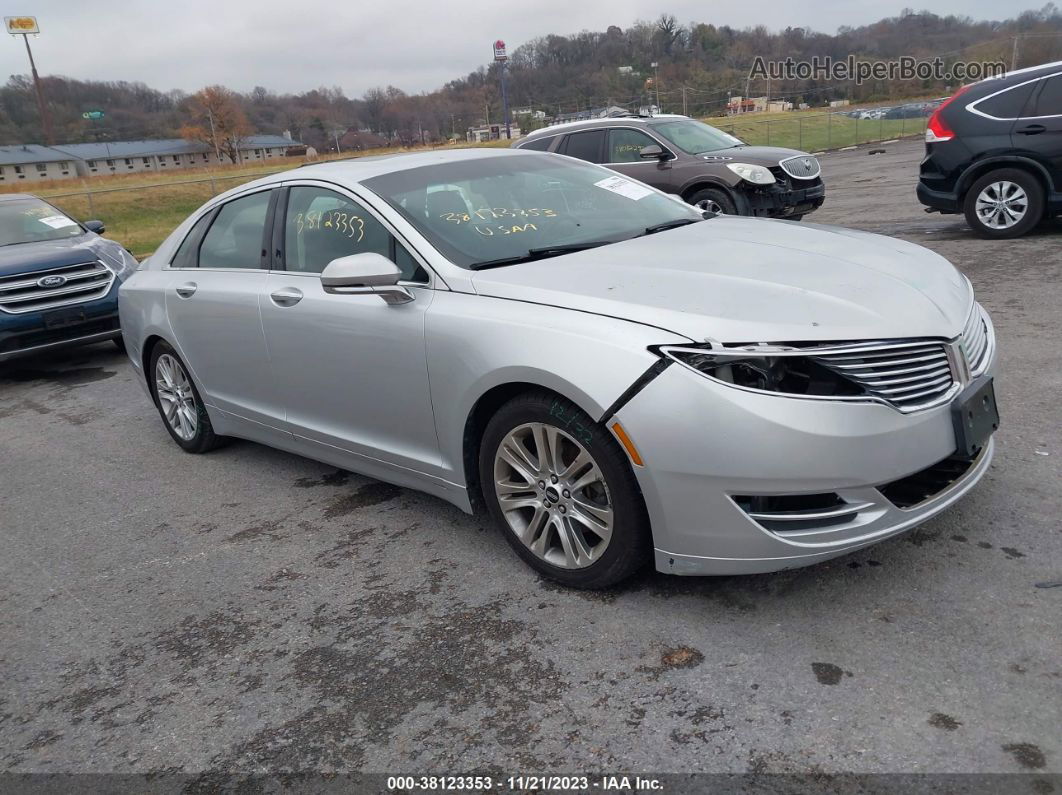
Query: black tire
point(706, 198)
point(1034, 211)
point(203, 440)
point(794, 217)
point(629, 547)
point(119, 343)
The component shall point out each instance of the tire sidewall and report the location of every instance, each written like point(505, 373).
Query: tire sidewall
point(629, 545)
point(1033, 214)
point(203, 432)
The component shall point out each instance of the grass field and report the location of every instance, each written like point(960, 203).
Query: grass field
point(140, 210)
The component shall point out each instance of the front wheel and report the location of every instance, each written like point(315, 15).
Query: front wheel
point(1004, 204)
point(179, 403)
point(714, 200)
point(562, 491)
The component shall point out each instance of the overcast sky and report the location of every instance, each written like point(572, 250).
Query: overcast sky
point(288, 46)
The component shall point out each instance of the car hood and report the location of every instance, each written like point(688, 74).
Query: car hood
point(44, 254)
point(752, 280)
point(756, 155)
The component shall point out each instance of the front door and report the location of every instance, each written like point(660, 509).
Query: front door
point(622, 154)
point(351, 369)
point(212, 297)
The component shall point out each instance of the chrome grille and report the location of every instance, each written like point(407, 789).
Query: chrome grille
point(909, 375)
point(801, 167)
point(46, 289)
point(974, 342)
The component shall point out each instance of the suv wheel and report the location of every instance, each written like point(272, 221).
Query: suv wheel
point(562, 491)
point(1003, 204)
point(714, 200)
point(179, 403)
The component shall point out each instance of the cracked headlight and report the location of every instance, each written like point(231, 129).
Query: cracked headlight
point(790, 375)
point(759, 175)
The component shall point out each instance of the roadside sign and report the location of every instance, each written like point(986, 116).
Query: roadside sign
point(21, 25)
point(94, 115)
point(499, 51)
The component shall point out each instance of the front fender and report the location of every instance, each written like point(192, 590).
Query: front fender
point(476, 343)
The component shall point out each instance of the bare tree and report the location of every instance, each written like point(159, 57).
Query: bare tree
point(217, 120)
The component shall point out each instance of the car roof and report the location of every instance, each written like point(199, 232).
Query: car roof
point(359, 169)
point(6, 197)
point(1029, 71)
point(604, 121)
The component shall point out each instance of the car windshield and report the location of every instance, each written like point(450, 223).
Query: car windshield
point(493, 209)
point(31, 220)
point(695, 137)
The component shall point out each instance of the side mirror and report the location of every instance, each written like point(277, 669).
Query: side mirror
point(359, 274)
point(652, 152)
point(95, 226)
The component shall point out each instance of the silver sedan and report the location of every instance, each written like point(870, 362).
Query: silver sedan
point(610, 374)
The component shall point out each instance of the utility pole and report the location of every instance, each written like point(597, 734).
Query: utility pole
point(684, 111)
point(24, 26)
point(1014, 55)
point(656, 82)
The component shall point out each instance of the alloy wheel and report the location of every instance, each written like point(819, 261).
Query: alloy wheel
point(1001, 205)
point(176, 397)
point(711, 206)
point(553, 495)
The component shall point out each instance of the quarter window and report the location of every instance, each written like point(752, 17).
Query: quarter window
point(585, 145)
point(1007, 105)
point(539, 144)
point(235, 238)
point(1049, 101)
point(321, 225)
point(624, 145)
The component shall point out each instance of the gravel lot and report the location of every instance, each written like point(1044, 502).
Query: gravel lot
point(251, 610)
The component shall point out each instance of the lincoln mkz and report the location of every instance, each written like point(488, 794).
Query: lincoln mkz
point(613, 375)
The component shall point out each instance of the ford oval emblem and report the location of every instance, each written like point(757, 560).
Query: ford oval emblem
point(51, 281)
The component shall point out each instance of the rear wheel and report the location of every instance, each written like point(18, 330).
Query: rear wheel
point(714, 200)
point(1004, 204)
point(562, 491)
point(179, 403)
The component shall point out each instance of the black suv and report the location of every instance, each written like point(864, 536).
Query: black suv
point(707, 167)
point(994, 152)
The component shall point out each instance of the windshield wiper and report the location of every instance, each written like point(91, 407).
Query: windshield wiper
point(670, 225)
point(537, 254)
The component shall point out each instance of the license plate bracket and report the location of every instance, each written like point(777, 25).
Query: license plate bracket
point(975, 417)
point(63, 318)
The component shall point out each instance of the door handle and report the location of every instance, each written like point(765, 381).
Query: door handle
point(1032, 129)
point(186, 290)
point(286, 296)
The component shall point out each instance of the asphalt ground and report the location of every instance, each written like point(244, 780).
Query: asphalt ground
point(250, 610)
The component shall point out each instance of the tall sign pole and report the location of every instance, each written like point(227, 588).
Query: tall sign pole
point(24, 26)
point(500, 57)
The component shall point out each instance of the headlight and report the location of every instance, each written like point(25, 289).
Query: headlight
point(790, 375)
point(750, 173)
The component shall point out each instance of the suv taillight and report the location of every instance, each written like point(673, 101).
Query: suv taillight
point(937, 130)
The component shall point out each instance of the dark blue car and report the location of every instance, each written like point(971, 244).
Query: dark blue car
point(58, 279)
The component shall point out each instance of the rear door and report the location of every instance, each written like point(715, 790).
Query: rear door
point(623, 154)
point(1039, 130)
point(215, 282)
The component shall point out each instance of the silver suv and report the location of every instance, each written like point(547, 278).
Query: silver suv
point(706, 167)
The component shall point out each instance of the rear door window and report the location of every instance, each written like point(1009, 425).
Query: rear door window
point(1049, 100)
point(236, 239)
point(585, 145)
